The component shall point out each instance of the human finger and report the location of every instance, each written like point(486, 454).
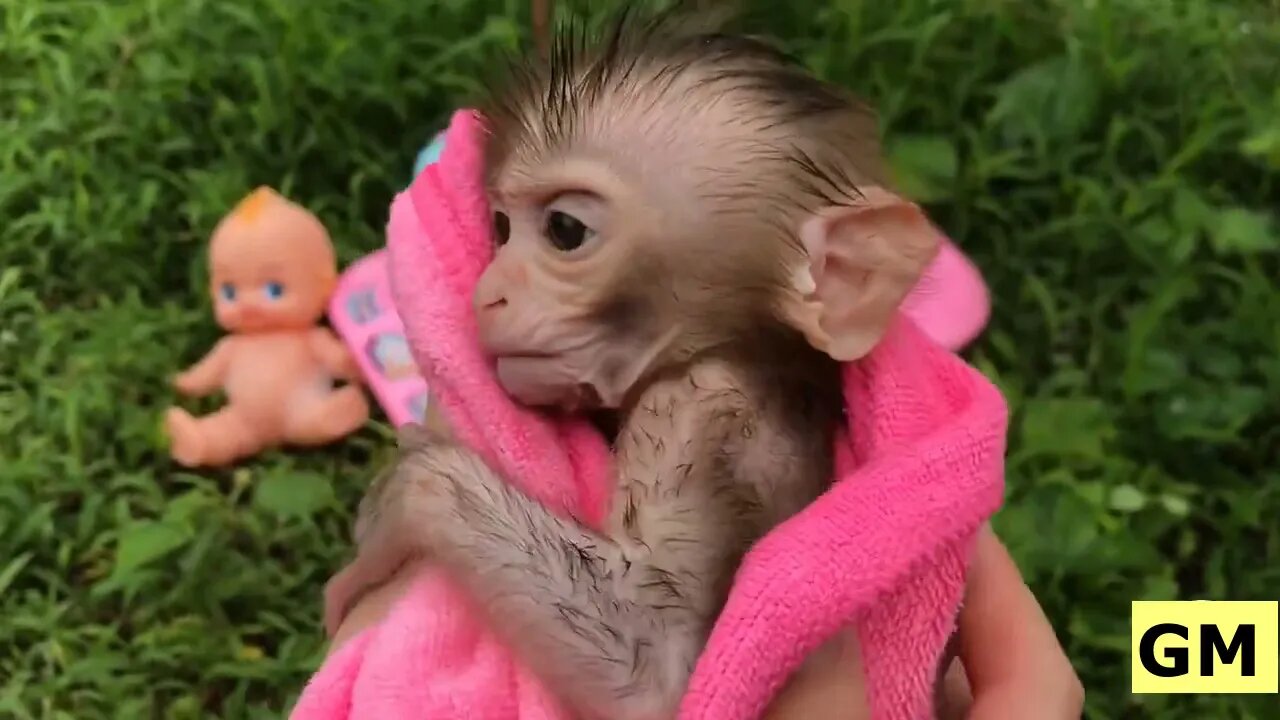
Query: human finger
point(1014, 664)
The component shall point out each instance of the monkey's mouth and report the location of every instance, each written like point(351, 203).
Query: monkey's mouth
point(545, 380)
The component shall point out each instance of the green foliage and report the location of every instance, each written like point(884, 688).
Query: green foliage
point(1113, 165)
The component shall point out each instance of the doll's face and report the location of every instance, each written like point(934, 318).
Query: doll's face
point(270, 271)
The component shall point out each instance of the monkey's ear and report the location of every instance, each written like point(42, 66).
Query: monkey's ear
point(863, 261)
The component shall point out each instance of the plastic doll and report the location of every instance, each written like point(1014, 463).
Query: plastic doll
point(272, 268)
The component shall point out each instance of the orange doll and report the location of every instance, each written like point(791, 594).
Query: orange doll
point(272, 268)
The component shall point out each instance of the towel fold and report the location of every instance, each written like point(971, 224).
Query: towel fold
point(883, 551)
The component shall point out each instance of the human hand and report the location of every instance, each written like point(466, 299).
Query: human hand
point(1010, 665)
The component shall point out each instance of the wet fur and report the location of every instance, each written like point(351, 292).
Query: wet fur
point(731, 434)
point(541, 103)
point(710, 457)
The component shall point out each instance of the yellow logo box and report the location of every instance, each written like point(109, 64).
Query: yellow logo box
point(1199, 646)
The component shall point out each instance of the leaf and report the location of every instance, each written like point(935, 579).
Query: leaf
point(1221, 363)
point(1191, 212)
point(1156, 231)
point(1193, 216)
point(9, 280)
point(1175, 505)
point(146, 541)
point(1211, 411)
point(1265, 145)
point(293, 495)
point(1149, 367)
point(250, 653)
point(1054, 99)
point(183, 708)
point(924, 167)
point(1067, 426)
point(185, 506)
point(12, 569)
point(1159, 587)
point(1243, 231)
point(241, 479)
point(1127, 498)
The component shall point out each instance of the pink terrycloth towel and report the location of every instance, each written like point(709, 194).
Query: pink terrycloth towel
point(884, 550)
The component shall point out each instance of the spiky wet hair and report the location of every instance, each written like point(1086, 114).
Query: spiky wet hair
point(539, 102)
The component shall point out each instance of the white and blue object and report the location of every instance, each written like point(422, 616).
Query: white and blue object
point(429, 154)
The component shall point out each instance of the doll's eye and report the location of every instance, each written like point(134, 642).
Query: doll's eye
point(274, 290)
point(228, 292)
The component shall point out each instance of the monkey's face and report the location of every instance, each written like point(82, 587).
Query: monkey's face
point(601, 276)
point(563, 307)
point(672, 191)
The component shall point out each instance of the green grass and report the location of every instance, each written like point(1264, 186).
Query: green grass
point(1114, 165)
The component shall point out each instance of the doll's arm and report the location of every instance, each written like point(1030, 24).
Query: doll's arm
point(207, 375)
point(333, 355)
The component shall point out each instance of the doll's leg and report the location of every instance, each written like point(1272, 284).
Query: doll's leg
point(215, 439)
point(325, 418)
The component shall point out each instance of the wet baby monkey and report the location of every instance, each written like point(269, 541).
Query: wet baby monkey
point(692, 233)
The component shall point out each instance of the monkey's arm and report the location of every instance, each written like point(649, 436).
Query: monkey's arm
point(614, 624)
point(206, 375)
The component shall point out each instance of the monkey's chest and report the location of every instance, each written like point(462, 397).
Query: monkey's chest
point(718, 463)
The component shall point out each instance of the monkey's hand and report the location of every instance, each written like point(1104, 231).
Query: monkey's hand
point(405, 512)
point(345, 589)
point(383, 547)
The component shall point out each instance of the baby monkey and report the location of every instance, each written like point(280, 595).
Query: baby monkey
point(692, 233)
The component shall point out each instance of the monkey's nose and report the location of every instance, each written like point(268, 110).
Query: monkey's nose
point(489, 305)
point(492, 304)
point(491, 292)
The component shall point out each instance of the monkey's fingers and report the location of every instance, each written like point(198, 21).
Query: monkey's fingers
point(340, 595)
point(345, 590)
point(382, 552)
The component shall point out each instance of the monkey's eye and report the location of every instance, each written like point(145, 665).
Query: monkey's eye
point(565, 231)
point(502, 227)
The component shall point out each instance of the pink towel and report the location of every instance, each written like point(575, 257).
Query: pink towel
point(884, 551)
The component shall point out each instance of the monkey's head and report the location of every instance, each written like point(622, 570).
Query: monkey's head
point(667, 189)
